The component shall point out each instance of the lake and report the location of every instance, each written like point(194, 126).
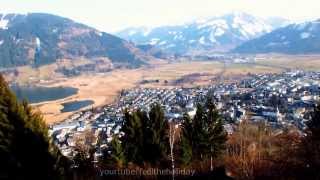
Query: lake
point(37, 94)
point(75, 105)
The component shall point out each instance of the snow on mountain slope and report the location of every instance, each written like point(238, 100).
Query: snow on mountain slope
point(292, 39)
point(211, 34)
point(4, 21)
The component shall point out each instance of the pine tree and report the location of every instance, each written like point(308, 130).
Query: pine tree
point(155, 136)
point(145, 138)
point(204, 134)
point(217, 136)
point(186, 151)
point(200, 134)
point(133, 136)
point(311, 144)
point(314, 123)
point(117, 154)
point(116, 157)
point(83, 162)
point(186, 142)
point(26, 151)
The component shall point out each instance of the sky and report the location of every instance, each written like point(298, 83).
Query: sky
point(114, 15)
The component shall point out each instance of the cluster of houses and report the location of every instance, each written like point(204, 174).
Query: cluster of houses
point(280, 100)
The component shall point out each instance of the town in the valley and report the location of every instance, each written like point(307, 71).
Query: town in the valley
point(282, 101)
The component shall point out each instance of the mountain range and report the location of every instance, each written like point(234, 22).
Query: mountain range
point(299, 38)
point(37, 39)
point(218, 34)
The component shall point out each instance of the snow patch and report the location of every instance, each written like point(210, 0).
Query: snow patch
point(219, 32)
point(99, 33)
point(214, 23)
point(173, 32)
point(147, 31)
point(271, 44)
point(304, 35)
point(301, 26)
point(55, 30)
point(18, 40)
point(3, 23)
point(250, 28)
point(163, 43)
point(154, 41)
point(38, 43)
point(275, 44)
point(201, 40)
point(212, 36)
point(171, 45)
point(286, 43)
point(180, 37)
point(1, 42)
point(244, 33)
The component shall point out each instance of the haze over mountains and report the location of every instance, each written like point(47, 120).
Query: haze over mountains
point(218, 34)
point(37, 39)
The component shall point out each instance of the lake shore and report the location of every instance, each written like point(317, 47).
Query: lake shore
point(104, 88)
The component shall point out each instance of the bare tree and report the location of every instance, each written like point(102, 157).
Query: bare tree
point(172, 137)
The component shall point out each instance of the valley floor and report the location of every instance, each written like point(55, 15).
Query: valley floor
point(104, 88)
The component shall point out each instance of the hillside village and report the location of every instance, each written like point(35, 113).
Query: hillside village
point(280, 100)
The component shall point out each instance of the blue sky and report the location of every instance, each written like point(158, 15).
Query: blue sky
point(112, 15)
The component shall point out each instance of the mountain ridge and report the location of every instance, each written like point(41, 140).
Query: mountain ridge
point(39, 38)
point(220, 34)
point(297, 38)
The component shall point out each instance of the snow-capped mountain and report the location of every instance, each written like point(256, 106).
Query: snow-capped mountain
point(292, 39)
point(212, 34)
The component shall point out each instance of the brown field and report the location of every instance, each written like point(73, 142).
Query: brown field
point(173, 71)
point(104, 88)
point(306, 62)
point(234, 70)
point(27, 74)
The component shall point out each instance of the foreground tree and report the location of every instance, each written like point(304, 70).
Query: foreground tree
point(132, 139)
point(155, 136)
point(247, 150)
point(203, 137)
point(186, 141)
point(83, 161)
point(217, 135)
point(114, 156)
point(145, 137)
point(173, 128)
point(257, 151)
point(311, 144)
point(26, 151)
